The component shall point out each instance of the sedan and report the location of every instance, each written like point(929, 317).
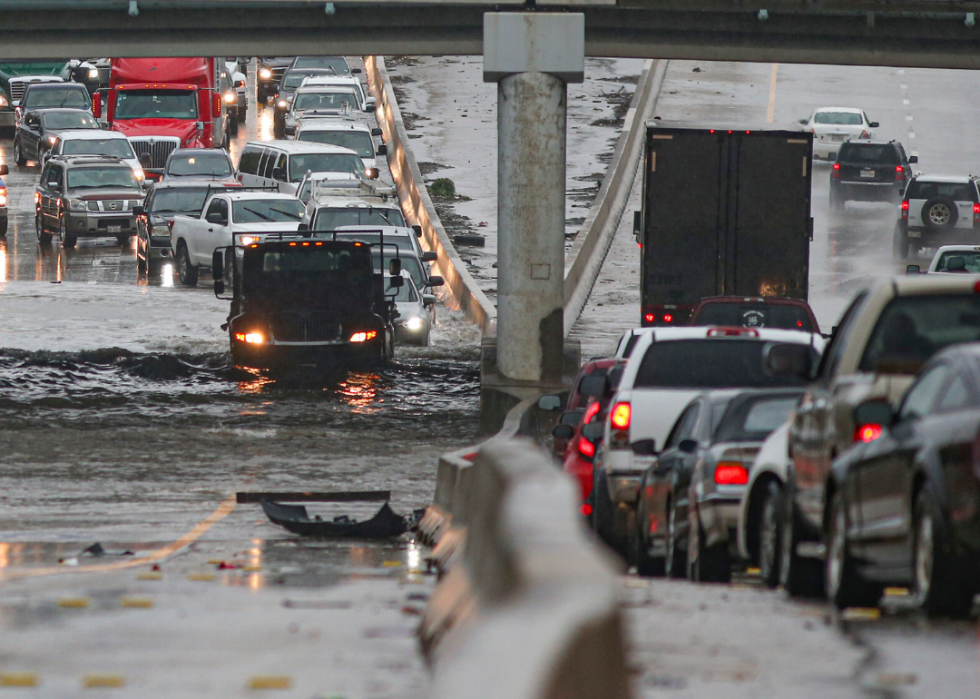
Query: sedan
point(414, 321)
point(905, 501)
point(832, 126)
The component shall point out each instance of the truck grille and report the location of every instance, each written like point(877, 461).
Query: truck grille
point(17, 90)
point(305, 327)
point(158, 148)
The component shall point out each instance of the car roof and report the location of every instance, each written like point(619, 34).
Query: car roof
point(325, 201)
point(852, 110)
point(332, 79)
point(251, 195)
point(393, 231)
point(191, 183)
point(80, 160)
point(864, 144)
point(715, 333)
point(291, 147)
point(52, 84)
point(957, 248)
point(90, 135)
point(327, 123)
point(925, 284)
point(320, 87)
point(951, 179)
point(193, 151)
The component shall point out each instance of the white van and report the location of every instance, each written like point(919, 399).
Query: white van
point(282, 164)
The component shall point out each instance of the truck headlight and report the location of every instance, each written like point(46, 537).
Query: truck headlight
point(230, 98)
point(93, 73)
point(77, 204)
point(282, 104)
point(140, 175)
point(4, 102)
point(3, 196)
point(160, 230)
point(265, 73)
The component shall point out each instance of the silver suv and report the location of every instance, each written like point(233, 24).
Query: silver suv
point(937, 210)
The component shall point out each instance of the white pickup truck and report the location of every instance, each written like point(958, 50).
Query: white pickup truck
point(193, 240)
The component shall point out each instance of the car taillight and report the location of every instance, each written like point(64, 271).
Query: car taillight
point(649, 317)
point(590, 412)
point(732, 332)
point(586, 448)
point(731, 473)
point(836, 171)
point(899, 173)
point(621, 416)
point(867, 433)
point(585, 509)
point(905, 208)
point(865, 134)
point(976, 213)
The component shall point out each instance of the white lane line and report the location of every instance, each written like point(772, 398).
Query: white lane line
point(904, 86)
point(911, 134)
point(771, 111)
point(901, 71)
point(908, 117)
point(905, 102)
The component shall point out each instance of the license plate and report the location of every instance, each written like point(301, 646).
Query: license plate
point(915, 234)
point(838, 139)
point(114, 229)
point(868, 173)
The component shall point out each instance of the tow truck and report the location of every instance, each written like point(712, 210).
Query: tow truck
point(307, 299)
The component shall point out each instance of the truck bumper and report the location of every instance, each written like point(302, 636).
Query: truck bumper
point(6, 119)
point(324, 355)
point(857, 191)
point(100, 225)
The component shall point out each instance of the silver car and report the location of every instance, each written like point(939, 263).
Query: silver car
point(414, 319)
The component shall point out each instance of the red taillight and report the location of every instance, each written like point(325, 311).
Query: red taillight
point(976, 212)
point(621, 415)
point(867, 433)
point(668, 318)
point(836, 171)
point(731, 473)
point(899, 173)
point(586, 448)
point(649, 317)
point(865, 134)
point(905, 208)
point(590, 412)
point(585, 509)
point(976, 288)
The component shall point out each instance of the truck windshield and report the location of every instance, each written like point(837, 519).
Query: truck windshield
point(755, 315)
point(912, 328)
point(358, 141)
point(114, 147)
point(325, 100)
point(183, 200)
point(708, 363)
point(268, 211)
point(337, 63)
point(56, 97)
point(334, 217)
point(156, 104)
point(102, 178)
point(70, 120)
point(301, 163)
point(200, 164)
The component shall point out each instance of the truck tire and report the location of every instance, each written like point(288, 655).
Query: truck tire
point(185, 270)
point(770, 534)
point(939, 213)
point(68, 240)
point(3, 228)
point(942, 584)
point(845, 586)
point(900, 243)
point(43, 236)
point(799, 576)
point(19, 153)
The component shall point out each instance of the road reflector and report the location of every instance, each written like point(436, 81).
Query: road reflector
point(753, 571)
point(896, 592)
point(137, 602)
point(391, 564)
point(200, 577)
point(93, 681)
point(270, 682)
point(73, 602)
point(18, 679)
point(861, 614)
point(149, 576)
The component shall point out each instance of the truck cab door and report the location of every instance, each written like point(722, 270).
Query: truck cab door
point(214, 232)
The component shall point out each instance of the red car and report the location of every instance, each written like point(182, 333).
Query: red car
point(776, 312)
point(582, 392)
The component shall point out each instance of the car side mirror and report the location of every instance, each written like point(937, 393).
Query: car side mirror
point(913, 269)
point(418, 230)
point(563, 432)
point(804, 122)
point(395, 267)
point(376, 131)
point(217, 264)
point(429, 256)
point(370, 101)
point(139, 211)
point(549, 403)
point(396, 282)
point(217, 218)
point(788, 361)
point(644, 447)
point(593, 385)
point(428, 299)
point(593, 431)
point(688, 446)
point(279, 173)
point(219, 287)
point(239, 83)
point(872, 413)
point(874, 124)
point(435, 280)
point(4, 170)
point(382, 150)
point(355, 71)
point(913, 158)
point(303, 227)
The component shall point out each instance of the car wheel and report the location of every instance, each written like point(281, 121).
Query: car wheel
point(770, 534)
point(939, 213)
point(233, 125)
point(68, 240)
point(845, 586)
point(942, 584)
point(675, 563)
point(900, 243)
point(19, 154)
point(122, 239)
point(602, 515)
point(185, 270)
point(42, 235)
point(647, 566)
point(799, 576)
point(711, 563)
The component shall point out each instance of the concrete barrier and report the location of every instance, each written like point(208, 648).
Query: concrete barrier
point(584, 260)
point(417, 206)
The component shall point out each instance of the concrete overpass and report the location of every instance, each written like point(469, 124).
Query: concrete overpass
point(913, 33)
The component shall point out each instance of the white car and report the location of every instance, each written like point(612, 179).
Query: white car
point(414, 320)
point(365, 101)
point(667, 369)
point(96, 142)
point(832, 126)
point(628, 341)
point(344, 132)
point(320, 100)
point(952, 259)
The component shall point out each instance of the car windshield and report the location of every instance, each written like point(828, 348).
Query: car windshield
point(838, 118)
point(301, 163)
point(358, 141)
point(337, 100)
point(708, 363)
point(53, 97)
point(755, 315)
point(102, 178)
point(912, 328)
point(406, 292)
point(338, 63)
point(868, 154)
point(410, 263)
point(70, 120)
point(268, 211)
point(754, 419)
point(114, 147)
point(182, 200)
point(402, 242)
point(957, 191)
point(332, 218)
point(156, 104)
point(294, 78)
point(206, 164)
point(962, 261)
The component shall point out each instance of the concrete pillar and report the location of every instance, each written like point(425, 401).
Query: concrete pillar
point(532, 56)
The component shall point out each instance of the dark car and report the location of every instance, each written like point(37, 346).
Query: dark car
point(338, 64)
point(86, 196)
point(762, 312)
point(164, 201)
point(269, 70)
point(39, 129)
point(53, 96)
point(904, 504)
point(687, 510)
point(870, 171)
point(206, 163)
point(291, 80)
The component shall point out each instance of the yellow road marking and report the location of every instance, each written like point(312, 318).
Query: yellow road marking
point(222, 511)
point(18, 679)
point(270, 682)
point(771, 112)
point(92, 681)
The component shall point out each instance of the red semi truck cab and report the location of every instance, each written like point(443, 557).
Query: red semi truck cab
point(161, 104)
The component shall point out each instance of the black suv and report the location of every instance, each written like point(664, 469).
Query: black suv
point(869, 171)
point(269, 70)
point(53, 96)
